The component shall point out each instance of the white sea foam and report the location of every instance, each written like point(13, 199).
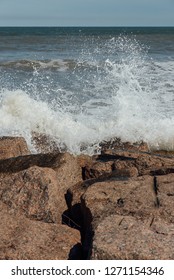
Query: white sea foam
point(127, 96)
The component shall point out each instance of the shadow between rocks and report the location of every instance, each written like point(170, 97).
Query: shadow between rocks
point(76, 252)
point(74, 218)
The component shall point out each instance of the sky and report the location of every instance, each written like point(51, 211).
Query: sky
point(86, 12)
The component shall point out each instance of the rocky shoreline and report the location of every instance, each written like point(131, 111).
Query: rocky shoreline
point(116, 205)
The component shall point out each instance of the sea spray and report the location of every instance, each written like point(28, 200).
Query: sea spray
point(111, 90)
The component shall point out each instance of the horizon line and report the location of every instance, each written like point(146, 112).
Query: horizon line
point(86, 26)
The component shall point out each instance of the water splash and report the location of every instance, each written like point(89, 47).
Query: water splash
point(112, 91)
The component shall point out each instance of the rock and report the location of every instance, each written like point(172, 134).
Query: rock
point(145, 163)
point(74, 193)
point(13, 147)
point(98, 169)
point(68, 171)
point(164, 153)
point(84, 160)
point(105, 166)
point(128, 238)
point(133, 196)
point(142, 199)
point(117, 144)
point(128, 163)
point(24, 239)
point(35, 192)
point(69, 174)
point(44, 143)
point(126, 190)
point(165, 193)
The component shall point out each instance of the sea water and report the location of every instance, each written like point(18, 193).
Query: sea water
point(81, 86)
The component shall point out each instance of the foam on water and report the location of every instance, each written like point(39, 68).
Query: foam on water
point(58, 64)
point(125, 94)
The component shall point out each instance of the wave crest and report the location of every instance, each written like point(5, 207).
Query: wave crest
point(113, 90)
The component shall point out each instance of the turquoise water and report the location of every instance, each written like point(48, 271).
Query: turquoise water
point(85, 85)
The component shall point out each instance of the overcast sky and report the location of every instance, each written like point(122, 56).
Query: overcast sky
point(86, 12)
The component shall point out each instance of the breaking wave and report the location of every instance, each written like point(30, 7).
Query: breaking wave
point(58, 64)
point(113, 90)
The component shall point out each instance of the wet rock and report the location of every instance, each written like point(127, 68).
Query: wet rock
point(133, 162)
point(34, 192)
point(117, 144)
point(128, 238)
point(112, 153)
point(145, 163)
point(24, 239)
point(13, 147)
point(105, 166)
point(44, 143)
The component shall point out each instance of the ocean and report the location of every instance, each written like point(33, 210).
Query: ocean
point(81, 86)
